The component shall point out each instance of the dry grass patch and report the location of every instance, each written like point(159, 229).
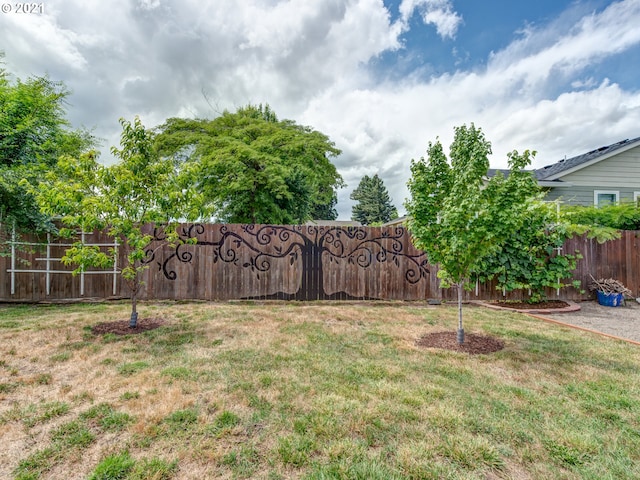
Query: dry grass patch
point(306, 390)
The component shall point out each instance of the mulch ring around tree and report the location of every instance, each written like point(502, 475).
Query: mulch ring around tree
point(121, 327)
point(473, 344)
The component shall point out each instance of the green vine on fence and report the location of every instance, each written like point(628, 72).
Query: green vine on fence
point(532, 260)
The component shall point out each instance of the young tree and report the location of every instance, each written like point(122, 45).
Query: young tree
point(34, 133)
point(254, 168)
point(123, 198)
point(457, 217)
point(374, 204)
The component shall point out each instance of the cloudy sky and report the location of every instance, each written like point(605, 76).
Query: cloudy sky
point(382, 78)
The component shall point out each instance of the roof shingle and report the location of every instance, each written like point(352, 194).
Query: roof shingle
point(569, 163)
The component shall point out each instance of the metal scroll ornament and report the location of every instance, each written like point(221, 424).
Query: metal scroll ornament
point(255, 247)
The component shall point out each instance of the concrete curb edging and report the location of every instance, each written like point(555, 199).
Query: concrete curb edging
point(557, 322)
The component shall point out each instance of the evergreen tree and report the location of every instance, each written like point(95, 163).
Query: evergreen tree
point(374, 204)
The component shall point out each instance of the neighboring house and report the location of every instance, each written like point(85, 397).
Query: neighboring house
point(396, 222)
point(333, 223)
point(606, 175)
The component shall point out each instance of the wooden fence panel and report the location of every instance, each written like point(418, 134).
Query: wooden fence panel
point(33, 271)
point(292, 262)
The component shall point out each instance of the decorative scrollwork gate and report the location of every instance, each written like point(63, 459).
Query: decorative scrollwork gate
point(296, 262)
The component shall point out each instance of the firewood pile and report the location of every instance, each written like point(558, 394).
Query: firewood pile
point(608, 286)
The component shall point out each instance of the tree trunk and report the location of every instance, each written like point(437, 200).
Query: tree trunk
point(133, 321)
point(311, 286)
point(460, 328)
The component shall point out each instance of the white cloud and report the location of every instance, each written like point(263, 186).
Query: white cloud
point(543, 53)
point(309, 61)
point(149, 4)
point(439, 13)
point(509, 99)
point(45, 38)
point(584, 83)
point(558, 127)
point(156, 58)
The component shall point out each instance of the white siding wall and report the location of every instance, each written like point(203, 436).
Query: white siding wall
point(583, 195)
point(620, 173)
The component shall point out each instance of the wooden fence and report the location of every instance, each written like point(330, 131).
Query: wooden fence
point(282, 262)
point(31, 270)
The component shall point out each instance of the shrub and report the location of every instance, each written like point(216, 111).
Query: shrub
point(624, 216)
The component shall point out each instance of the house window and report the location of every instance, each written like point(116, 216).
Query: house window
point(636, 198)
point(605, 197)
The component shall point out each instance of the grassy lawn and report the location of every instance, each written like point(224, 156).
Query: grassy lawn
point(311, 391)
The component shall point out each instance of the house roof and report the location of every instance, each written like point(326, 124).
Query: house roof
point(505, 171)
point(395, 221)
point(333, 223)
point(551, 175)
point(565, 166)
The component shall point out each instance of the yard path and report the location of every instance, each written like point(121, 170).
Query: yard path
point(622, 322)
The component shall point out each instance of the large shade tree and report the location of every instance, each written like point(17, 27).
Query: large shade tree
point(251, 167)
point(124, 199)
point(458, 217)
point(34, 133)
point(373, 203)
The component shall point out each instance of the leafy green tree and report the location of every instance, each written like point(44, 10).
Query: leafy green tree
point(532, 259)
point(253, 168)
point(326, 211)
point(34, 133)
point(124, 198)
point(457, 217)
point(373, 202)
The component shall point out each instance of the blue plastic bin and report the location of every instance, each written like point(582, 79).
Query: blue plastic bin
point(610, 299)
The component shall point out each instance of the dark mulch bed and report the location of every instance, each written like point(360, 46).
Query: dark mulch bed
point(121, 327)
point(473, 344)
point(547, 304)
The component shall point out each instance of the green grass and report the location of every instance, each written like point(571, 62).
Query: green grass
point(130, 396)
point(314, 391)
point(73, 434)
point(33, 414)
point(61, 357)
point(107, 418)
point(9, 387)
point(71, 437)
point(181, 421)
point(132, 368)
point(37, 463)
point(114, 467)
point(123, 466)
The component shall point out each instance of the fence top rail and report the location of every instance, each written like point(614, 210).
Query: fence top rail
point(54, 244)
point(86, 272)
